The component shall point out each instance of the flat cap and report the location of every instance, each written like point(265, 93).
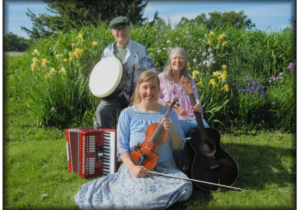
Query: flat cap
point(119, 20)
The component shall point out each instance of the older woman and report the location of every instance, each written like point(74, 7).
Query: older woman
point(171, 87)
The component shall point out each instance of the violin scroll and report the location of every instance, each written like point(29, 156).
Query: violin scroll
point(180, 111)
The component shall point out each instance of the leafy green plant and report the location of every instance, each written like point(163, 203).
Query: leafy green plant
point(64, 99)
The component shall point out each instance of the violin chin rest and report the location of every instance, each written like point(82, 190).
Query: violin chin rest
point(135, 159)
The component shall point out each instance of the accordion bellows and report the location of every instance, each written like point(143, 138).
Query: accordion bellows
point(91, 152)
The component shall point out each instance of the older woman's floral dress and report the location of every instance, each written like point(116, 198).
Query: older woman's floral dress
point(124, 191)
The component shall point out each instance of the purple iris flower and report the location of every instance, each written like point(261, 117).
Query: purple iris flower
point(292, 66)
point(262, 94)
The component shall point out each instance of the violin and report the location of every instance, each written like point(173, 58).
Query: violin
point(145, 154)
point(180, 111)
point(211, 163)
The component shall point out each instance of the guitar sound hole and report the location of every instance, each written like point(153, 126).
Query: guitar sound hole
point(207, 148)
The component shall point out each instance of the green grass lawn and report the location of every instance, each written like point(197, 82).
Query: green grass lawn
point(36, 175)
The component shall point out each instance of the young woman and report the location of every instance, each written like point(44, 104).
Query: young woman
point(133, 187)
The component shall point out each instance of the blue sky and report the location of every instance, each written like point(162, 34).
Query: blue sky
point(267, 15)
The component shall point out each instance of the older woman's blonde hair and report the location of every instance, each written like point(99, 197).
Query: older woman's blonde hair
point(168, 69)
point(145, 76)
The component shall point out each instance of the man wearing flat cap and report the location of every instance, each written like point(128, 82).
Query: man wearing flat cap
point(130, 53)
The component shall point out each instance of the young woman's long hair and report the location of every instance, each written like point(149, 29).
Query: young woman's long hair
point(168, 69)
point(145, 76)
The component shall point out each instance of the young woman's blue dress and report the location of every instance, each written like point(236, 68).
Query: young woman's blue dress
point(124, 191)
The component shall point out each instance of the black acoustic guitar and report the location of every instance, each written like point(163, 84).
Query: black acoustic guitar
point(211, 163)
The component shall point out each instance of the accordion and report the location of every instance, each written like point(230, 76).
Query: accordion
point(91, 152)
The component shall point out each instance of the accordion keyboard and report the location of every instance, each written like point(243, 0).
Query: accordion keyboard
point(109, 153)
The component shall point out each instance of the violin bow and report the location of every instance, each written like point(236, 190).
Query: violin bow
point(194, 180)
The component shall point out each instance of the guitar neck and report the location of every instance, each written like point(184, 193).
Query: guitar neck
point(198, 117)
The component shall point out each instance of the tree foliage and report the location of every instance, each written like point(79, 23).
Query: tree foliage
point(70, 14)
point(237, 20)
point(13, 42)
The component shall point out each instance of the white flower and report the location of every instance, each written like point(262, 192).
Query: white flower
point(194, 60)
point(197, 67)
point(158, 51)
point(205, 34)
point(164, 48)
point(177, 38)
point(204, 54)
point(199, 40)
point(168, 41)
point(209, 50)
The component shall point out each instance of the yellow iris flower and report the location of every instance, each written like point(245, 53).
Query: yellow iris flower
point(95, 43)
point(47, 75)
point(35, 60)
point(79, 37)
point(213, 82)
point(199, 84)
point(36, 52)
point(221, 37)
point(226, 88)
point(223, 77)
point(63, 70)
point(53, 71)
point(216, 74)
point(44, 61)
point(195, 73)
point(224, 43)
point(78, 52)
point(33, 66)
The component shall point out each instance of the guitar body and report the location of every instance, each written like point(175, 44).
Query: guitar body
point(211, 163)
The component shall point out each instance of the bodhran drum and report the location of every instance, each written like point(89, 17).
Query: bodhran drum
point(107, 78)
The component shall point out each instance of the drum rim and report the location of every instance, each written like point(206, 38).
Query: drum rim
point(117, 82)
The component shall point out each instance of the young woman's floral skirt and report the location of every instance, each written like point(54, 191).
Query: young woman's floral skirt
point(123, 191)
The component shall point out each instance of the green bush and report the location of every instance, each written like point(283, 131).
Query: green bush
point(223, 63)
